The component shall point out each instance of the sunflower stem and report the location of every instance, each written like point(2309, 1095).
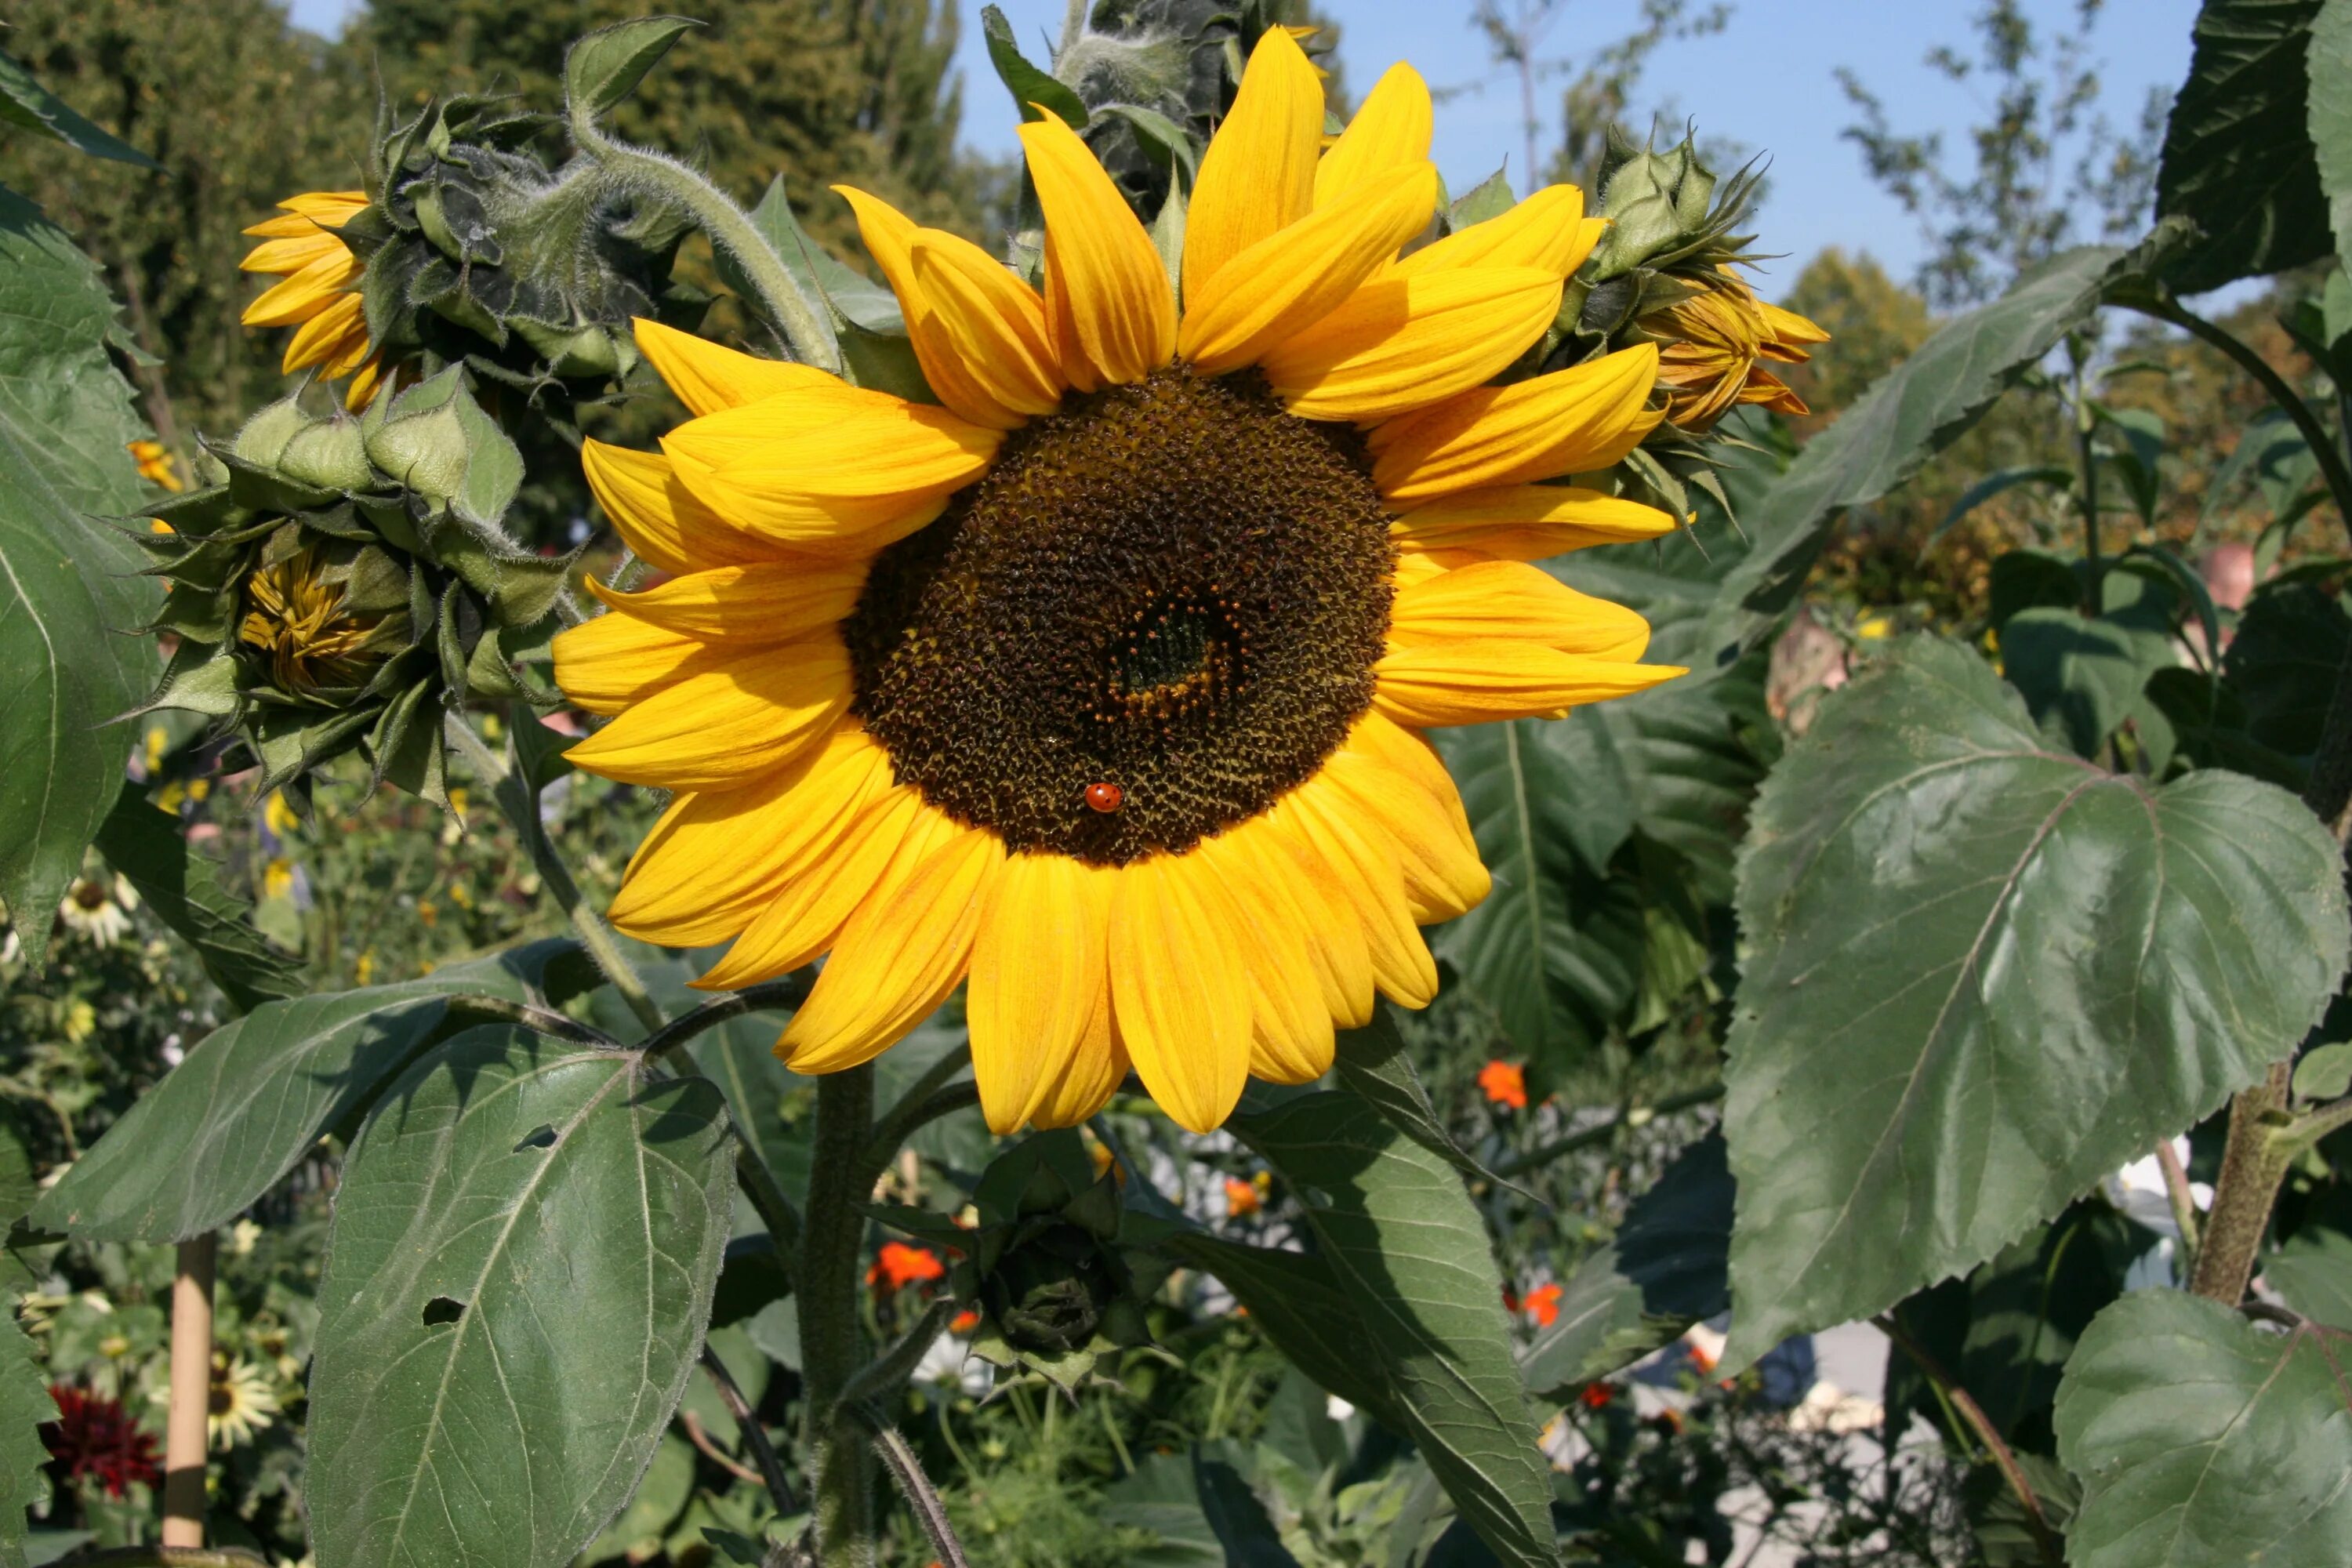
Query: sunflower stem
point(840, 1461)
point(518, 804)
point(729, 228)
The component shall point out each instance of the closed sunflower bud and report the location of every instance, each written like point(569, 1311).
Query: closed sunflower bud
point(324, 608)
point(1712, 346)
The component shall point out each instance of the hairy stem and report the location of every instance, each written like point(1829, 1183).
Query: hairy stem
point(519, 803)
point(771, 1469)
point(922, 1498)
point(731, 229)
point(840, 1462)
point(882, 1378)
point(790, 991)
point(2045, 1539)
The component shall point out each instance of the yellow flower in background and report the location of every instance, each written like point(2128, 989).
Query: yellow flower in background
point(242, 1401)
point(301, 620)
point(1712, 346)
point(276, 879)
point(320, 295)
point(155, 466)
point(278, 816)
point(80, 1021)
point(154, 746)
point(1102, 684)
point(1874, 629)
point(364, 969)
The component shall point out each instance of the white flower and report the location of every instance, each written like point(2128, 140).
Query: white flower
point(98, 912)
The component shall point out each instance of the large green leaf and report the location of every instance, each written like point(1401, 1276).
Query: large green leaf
point(520, 1267)
point(2080, 677)
point(1303, 1309)
point(2329, 116)
point(185, 892)
point(70, 592)
point(28, 105)
point(1663, 1271)
point(1907, 416)
point(25, 1403)
point(2237, 158)
point(1403, 1241)
point(253, 1098)
point(2201, 1439)
point(1980, 974)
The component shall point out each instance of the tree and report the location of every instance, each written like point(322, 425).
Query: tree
point(2019, 198)
point(242, 111)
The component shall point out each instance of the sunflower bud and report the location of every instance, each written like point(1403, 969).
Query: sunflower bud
point(345, 579)
point(1712, 345)
point(1054, 1287)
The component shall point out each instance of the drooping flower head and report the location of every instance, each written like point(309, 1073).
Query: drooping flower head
point(320, 292)
point(1100, 682)
point(1713, 347)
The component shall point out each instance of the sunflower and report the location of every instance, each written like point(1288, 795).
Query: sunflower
point(320, 295)
point(99, 909)
point(1712, 349)
point(242, 1401)
point(304, 622)
point(1099, 682)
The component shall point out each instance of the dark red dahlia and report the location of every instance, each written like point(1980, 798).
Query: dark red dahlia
point(94, 1435)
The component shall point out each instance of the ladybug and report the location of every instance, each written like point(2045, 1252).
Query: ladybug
point(1106, 797)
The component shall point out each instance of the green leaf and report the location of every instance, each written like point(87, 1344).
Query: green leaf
point(2312, 1273)
point(1403, 1240)
point(819, 273)
point(184, 889)
point(1372, 1062)
point(1907, 416)
point(2080, 677)
point(70, 599)
point(1300, 1304)
point(661, 1496)
point(2202, 1439)
point(1031, 88)
point(2237, 157)
point(1489, 198)
point(2325, 1072)
point(2329, 115)
point(524, 1247)
point(25, 1403)
point(1982, 974)
point(605, 66)
point(2282, 665)
point(255, 1096)
point(1663, 1271)
point(25, 103)
point(2000, 482)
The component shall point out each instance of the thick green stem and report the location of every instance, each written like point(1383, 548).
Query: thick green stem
point(519, 803)
point(2254, 1163)
point(840, 1460)
point(731, 229)
point(2089, 461)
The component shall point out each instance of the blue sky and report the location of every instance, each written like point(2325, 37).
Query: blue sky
point(1765, 81)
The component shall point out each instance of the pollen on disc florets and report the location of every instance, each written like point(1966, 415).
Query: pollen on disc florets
point(1174, 588)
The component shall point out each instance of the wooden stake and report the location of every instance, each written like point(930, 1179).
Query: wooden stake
point(186, 1438)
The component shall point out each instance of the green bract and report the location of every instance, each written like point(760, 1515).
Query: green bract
point(346, 579)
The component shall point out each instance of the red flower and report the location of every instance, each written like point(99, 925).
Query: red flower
point(1543, 1305)
point(1505, 1084)
point(964, 1322)
point(95, 1436)
point(899, 1266)
point(1598, 1395)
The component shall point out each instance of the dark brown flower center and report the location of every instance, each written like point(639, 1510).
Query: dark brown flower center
point(1175, 588)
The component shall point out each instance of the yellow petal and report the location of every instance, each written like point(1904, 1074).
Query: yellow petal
point(1268, 861)
point(1526, 523)
point(708, 377)
point(282, 225)
point(1037, 981)
point(332, 209)
point(818, 469)
point(1291, 1038)
point(293, 252)
point(1289, 282)
point(1517, 603)
point(332, 335)
point(746, 716)
point(1110, 313)
point(773, 601)
point(1548, 230)
point(1393, 128)
point(896, 829)
point(1096, 1069)
point(1257, 178)
point(1401, 343)
point(718, 858)
point(1570, 421)
point(896, 960)
point(305, 294)
point(1443, 876)
point(1476, 683)
point(1181, 993)
point(365, 381)
point(1363, 877)
point(606, 663)
point(658, 518)
point(994, 322)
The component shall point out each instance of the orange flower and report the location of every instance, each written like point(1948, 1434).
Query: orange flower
point(1543, 1305)
point(1598, 1395)
point(1243, 1198)
point(964, 1322)
point(1505, 1084)
point(899, 1266)
point(154, 460)
point(1709, 346)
